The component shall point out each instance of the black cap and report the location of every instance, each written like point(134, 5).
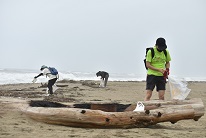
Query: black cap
point(161, 43)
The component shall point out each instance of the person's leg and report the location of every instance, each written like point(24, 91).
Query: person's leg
point(161, 94)
point(148, 95)
point(150, 84)
point(50, 84)
point(105, 81)
point(50, 87)
point(161, 87)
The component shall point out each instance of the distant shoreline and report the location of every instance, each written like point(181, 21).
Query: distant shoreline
point(96, 81)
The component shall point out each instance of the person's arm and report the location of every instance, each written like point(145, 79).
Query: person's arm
point(167, 65)
point(148, 64)
point(41, 74)
point(102, 76)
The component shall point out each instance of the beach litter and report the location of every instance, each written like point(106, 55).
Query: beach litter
point(178, 88)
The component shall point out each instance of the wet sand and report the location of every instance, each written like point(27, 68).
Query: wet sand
point(15, 124)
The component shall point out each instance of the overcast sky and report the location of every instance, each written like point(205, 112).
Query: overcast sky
point(110, 35)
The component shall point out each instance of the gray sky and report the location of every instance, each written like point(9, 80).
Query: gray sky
point(110, 35)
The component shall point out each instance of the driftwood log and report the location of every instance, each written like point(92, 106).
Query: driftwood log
point(155, 112)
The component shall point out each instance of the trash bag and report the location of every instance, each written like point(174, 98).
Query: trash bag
point(178, 88)
point(34, 80)
point(139, 107)
point(101, 83)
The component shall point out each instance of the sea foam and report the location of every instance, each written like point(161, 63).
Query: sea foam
point(13, 76)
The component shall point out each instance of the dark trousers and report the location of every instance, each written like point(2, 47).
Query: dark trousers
point(157, 81)
point(50, 84)
point(105, 80)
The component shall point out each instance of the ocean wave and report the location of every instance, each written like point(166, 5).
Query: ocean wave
point(13, 76)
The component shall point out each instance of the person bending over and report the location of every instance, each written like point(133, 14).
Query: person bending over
point(45, 71)
point(104, 76)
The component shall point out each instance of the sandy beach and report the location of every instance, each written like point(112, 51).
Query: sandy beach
point(15, 124)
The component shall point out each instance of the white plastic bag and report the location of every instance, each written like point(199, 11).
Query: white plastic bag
point(178, 88)
point(54, 87)
point(139, 107)
point(101, 83)
point(34, 80)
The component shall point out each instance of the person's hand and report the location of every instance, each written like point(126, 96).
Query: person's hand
point(162, 71)
point(166, 73)
point(35, 77)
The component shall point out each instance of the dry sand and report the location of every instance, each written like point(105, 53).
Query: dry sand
point(14, 124)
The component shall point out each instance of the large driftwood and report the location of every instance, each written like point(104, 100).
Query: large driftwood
point(155, 112)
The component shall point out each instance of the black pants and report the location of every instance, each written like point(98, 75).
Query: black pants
point(50, 84)
point(157, 81)
point(105, 80)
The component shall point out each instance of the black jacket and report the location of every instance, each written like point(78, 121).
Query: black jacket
point(103, 74)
